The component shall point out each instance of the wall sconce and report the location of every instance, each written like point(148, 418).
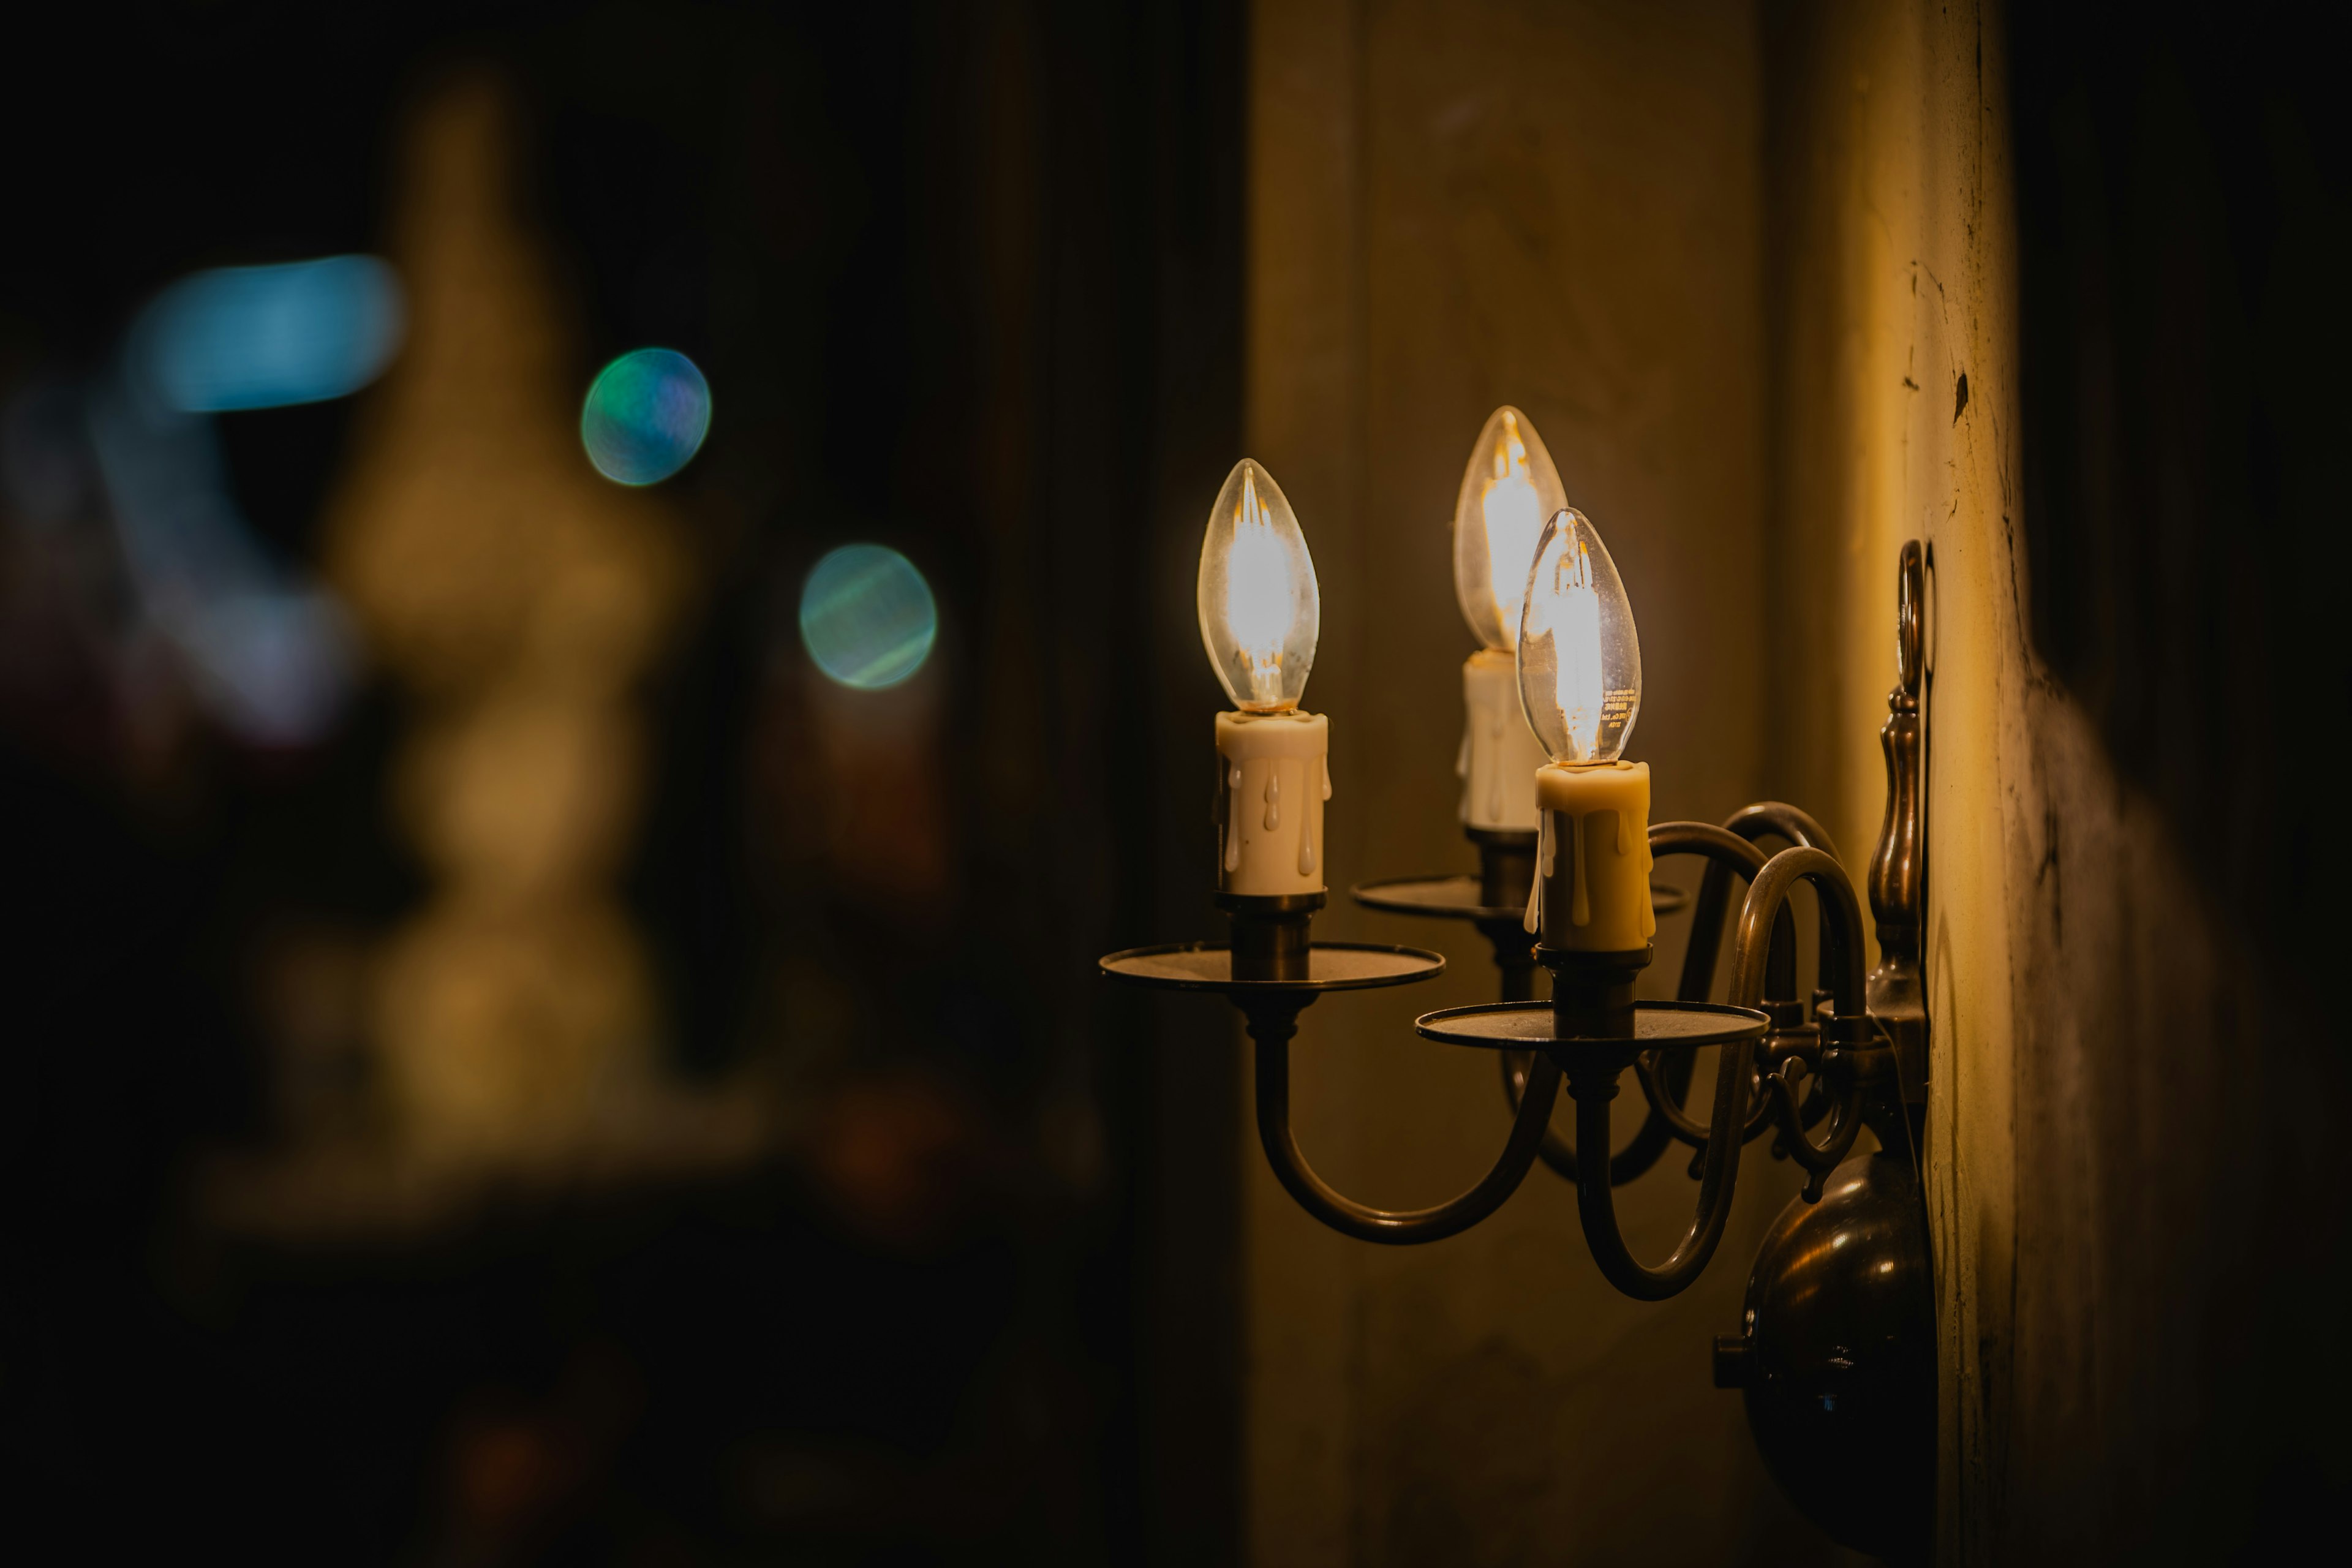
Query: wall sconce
point(1836, 1350)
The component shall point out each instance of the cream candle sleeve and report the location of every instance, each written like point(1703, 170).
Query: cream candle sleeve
point(1500, 754)
point(1591, 889)
point(1273, 776)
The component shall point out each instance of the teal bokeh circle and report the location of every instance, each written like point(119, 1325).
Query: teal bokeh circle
point(868, 616)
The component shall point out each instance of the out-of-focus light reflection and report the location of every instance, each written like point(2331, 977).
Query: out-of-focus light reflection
point(271, 653)
point(868, 616)
point(263, 336)
point(647, 415)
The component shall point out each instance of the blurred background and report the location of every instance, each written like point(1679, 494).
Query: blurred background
point(596, 629)
point(543, 1026)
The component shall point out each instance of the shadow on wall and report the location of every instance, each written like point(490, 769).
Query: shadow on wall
point(2184, 201)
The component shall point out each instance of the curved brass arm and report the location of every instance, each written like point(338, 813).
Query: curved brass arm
point(1768, 817)
point(1657, 1134)
point(1818, 1159)
point(1728, 853)
point(1592, 1077)
point(1765, 820)
point(1842, 972)
point(1272, 1028)
point(1594, 1087)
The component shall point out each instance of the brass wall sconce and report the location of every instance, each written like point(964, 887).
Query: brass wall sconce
point(1835, 1354)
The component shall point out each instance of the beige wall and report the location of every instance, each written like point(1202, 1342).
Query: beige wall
point(1454, 206)
point(1893, 278)
point(2116, 1130)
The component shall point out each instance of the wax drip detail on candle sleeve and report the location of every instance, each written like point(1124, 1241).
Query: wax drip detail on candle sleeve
point(1548, 836)
point(1649, 910)
point(1272, 798)
point(1461, 770)
point(1495, 732)
point(1544, 860)
point(1306, 823)
point(1234, 818)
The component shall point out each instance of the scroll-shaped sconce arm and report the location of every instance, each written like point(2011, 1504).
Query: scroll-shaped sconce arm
point(1842, 969)
point(1766, 819)
point(1725, 860)
point(1728, 853)
point(1272, 1028)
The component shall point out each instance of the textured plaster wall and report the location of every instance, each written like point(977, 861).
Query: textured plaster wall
point(1453, 206)
point(2128, 1129)
point(1893, 288)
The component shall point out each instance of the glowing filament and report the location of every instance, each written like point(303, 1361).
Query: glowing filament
point(1576, 648)
point(1260, 599)
point(1514, 514)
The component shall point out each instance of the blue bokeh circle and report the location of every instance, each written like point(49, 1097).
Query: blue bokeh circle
point(645, 416)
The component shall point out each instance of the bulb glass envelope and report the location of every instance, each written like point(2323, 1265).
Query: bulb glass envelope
point(1580, 660)
point(1508, 488)
point(1260, 610)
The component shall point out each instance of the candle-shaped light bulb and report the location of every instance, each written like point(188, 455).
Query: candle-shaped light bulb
point(1580, 685)
point(1260, 611)
point(1259, 614)
point(1580, 661)
point(1508, 488)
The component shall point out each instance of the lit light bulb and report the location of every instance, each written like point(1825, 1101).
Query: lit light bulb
point(1580, 661)
point(1260, 610)
point(1508, 490)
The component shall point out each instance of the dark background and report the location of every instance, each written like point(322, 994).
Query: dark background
point(966, 280)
